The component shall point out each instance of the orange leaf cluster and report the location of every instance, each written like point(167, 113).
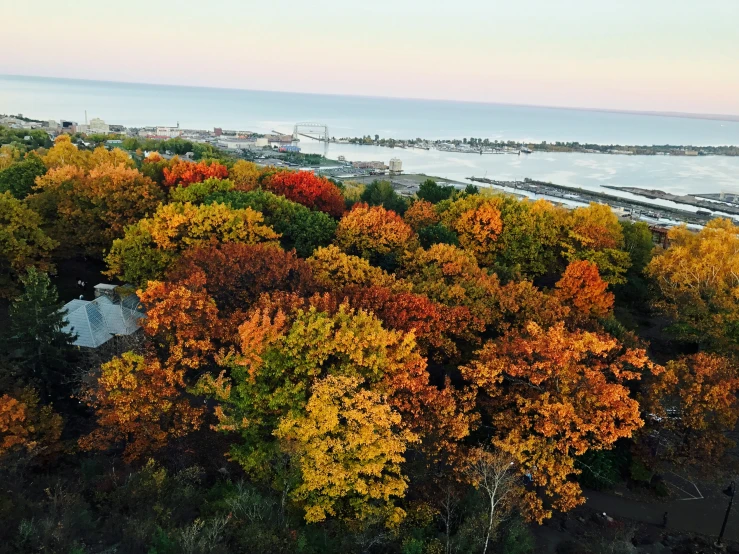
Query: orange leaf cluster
point(182, 321)
point(369, 231)
point(237, 274)
point(694, 404)
point(25, 427)
point(184, 173)
point(140, 403)
point(584, 291)
point(553, 394)
point(421, 214)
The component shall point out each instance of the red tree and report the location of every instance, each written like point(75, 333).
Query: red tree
point(306, 188)
point(236, 274)
point(433, 324)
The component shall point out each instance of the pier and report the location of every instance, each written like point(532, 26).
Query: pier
point(633, 209)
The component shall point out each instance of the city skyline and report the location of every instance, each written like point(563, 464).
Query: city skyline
point(661, 57)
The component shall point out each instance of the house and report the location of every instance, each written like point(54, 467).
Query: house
point(115, 311)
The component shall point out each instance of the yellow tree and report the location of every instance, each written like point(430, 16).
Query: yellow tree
point(334, 270)
point(151, 245)
point(551, 395)
point(478, 229)
point(273, 377)
point(9, 155)
point(698, 282)
point(65, 153)
point(245, 175)
point(349, 445)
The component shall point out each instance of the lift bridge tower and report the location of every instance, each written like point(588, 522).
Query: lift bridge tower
point(316, 131)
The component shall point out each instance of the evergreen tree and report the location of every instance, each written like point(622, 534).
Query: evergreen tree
point(37, 337)
point(471, 189)
point(431, 191)
point(381, 193)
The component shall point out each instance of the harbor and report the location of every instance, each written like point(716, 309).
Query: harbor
point(624, 207)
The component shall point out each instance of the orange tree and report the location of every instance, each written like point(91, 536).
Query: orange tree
point(138, 403)
point(182, 322)
point(91, 208)
point(26, 428)
point(421, 214)
point(582, 289)
point(184, 173)
point(237, 274)
point(374, 233)
point(551, 395)
point(693, 405)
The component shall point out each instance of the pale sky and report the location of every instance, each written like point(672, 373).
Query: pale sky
point(663, 55)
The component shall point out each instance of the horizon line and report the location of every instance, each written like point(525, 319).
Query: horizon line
point(731, 118)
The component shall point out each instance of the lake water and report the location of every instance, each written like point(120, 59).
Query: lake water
point(680, 175)
point(204, 108)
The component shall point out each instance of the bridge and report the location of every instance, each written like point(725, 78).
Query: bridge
point(316, 131)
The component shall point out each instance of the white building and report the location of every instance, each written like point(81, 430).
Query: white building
point(96, 322)
point(236, 144)
point(97, 125)
point(169, 132)
point(396, 165)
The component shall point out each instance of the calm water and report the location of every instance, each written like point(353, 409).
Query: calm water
point(680, 175)
point(193, 107)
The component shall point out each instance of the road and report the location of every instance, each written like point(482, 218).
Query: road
point(697, 515)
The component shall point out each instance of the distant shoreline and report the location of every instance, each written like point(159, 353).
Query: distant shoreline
point(729, 118)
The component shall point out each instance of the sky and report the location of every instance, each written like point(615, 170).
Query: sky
point(654, 55)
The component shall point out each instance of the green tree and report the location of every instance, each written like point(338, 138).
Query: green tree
point(431, 191)
point(437, 234)
point(381, 193)
point(20, 177)
point(37, 336)
point(301, 228)
point(22, 242)
point(638, 243)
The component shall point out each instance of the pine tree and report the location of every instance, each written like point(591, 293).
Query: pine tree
point(37, 338)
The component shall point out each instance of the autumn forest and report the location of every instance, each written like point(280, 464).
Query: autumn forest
point(331, 367)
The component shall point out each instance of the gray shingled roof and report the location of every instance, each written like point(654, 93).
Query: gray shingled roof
point(96, 322)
